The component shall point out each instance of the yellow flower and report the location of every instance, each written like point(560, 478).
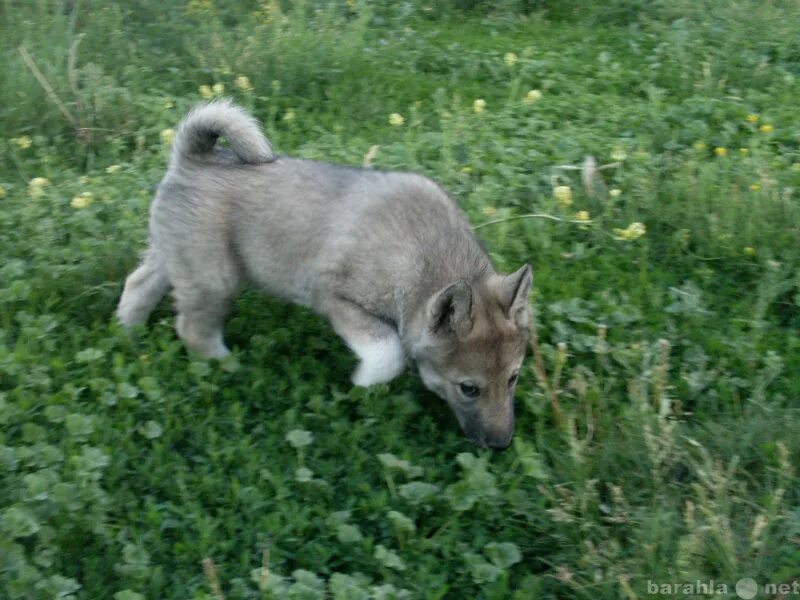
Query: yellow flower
point(744, 151)
point(754, 187)
point(479, 105)
point(489, 211)
point(751, 118)
point(699, 146)
point(36, 185)
point(218, 89)
point(205, 91)
point(766, 128)
point(166, 137)
point(289, 115)
point(637, 229)
point(749, 251)
point(113, 169)
point(243, 83)
point(563, 194)
point(82, 200)
point(532, 96)
point(467, 170)
point(23, 142)
point(582, 216)
point(720, 151)
point(2, 192)
point(615, 192)
point(632, 232)
point(396, 119)
point(510, 59)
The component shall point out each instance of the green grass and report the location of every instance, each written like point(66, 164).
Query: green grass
point(124, 462)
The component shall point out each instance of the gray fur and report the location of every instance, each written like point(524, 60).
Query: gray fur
point(199, 130)
point(387, 257)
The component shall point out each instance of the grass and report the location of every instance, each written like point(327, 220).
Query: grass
point(125, 463)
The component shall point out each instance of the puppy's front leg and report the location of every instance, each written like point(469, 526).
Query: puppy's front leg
point(374, 341)
point(382, 359)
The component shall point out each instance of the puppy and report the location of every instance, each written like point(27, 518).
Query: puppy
point(387, 257)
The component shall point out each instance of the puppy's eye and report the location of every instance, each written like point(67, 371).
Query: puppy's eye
point(470, 390)
point(513, 380)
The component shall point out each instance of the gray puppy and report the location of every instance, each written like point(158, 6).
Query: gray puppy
point(387, 257)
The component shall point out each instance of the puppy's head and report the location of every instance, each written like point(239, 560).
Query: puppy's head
point(473, 349)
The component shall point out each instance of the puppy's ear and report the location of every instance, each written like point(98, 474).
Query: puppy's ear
point(512, 293)
point(450, 310)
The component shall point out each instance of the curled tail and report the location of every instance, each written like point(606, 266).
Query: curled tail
point(198, 132)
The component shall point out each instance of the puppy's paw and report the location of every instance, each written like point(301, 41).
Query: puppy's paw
point(382, 360)
point(373, 373)
point(364, 377)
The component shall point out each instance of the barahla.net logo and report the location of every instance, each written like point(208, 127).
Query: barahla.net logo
point(746, 588)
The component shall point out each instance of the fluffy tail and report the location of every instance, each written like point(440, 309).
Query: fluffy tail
point(198, 132)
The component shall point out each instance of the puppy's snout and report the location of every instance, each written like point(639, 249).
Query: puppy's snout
point(499, 430)
point(495, 442)
point(501, 444)
point(478, 441)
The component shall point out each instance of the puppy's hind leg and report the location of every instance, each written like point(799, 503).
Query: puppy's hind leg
point(144, 289)
point(201, 316)
point(205, 276)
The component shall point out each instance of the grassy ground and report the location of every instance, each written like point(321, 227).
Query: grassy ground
point(672, 348)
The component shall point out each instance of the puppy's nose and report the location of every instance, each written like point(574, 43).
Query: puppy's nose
point(500, 441)
point(478, 441)
point(500, 445)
